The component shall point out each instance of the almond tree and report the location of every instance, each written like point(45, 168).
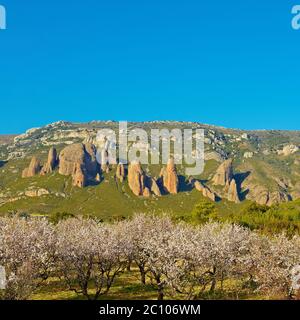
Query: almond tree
point(137, 231)
point(225, 251)
point(207, 255)
point(90, 255)
point(156, 251)
point(275, 260)
point(27, 250)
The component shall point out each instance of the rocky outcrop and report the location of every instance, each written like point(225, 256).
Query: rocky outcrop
point(207, 193)
point(51, 162)
point(288, 150)
point(248, 155)
point(213, 155)
point(98, 177)
point(265, 175)
point(262, 195)
point(136, 178)
point(105, 168)
point(79, 160)
point(154, 187)
point(139, 183)
point(297, 162)
point(146, 192)
point(296, 190)
point(277, 197)
point(36, 193)
point(120, 173)
point(104, 161)
point(33, 169)
point(77, 155)
point(233, 194)
point(225, 177)
point(169, 178)
point(69, 157)
point(224, 174)
point(78, 178)
point(90, 160)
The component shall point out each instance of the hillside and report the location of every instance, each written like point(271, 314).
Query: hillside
point(265, 169)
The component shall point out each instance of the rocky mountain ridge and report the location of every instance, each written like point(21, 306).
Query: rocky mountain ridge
point(262, 166)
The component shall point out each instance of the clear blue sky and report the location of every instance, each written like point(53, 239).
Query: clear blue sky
point(232, 63)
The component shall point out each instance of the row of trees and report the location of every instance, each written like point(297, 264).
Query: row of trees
point(269, 220)
point(176, 258)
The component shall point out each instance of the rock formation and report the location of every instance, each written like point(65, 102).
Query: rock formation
point(205, 190)
point(90, 160)
point(120, 173)
point(277, 197)
point(264, 196)
point(69, 157)
point(51, 162)
point(225, 177)
point(248, 155)
point(288, 150)
point(33, 169)
point(266, 176)
point(98, 177)
point(296, 193)
point(105, 168)
point(136, 178)
point(169, 177)
point(36, 192)
point(224, 174)
point(233, 194)
point(104, 161)
point(79, 178)
point(213, 155)
point(146, 192)
point(78, 154)
point(154, 187)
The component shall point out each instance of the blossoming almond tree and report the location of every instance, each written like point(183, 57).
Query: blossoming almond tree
point(90, 255)
point(177, 258)
point(138, 231)
point(158, 252)
point(27, 252)
point(274, 262)
point(206, 256)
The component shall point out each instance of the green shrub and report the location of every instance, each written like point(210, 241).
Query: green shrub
point(255, 208)
point(58, 216)
point(204, 211)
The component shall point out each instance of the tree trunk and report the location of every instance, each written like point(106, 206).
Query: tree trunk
point(160, 295)
point(213, 285)
point(214, 282)
point(143, 274)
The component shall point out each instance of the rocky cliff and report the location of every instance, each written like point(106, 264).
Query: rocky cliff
point(170, 178)
point(262, 166)
point(51, 163)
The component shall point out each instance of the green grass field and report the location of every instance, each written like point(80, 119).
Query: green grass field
point(128, 287)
